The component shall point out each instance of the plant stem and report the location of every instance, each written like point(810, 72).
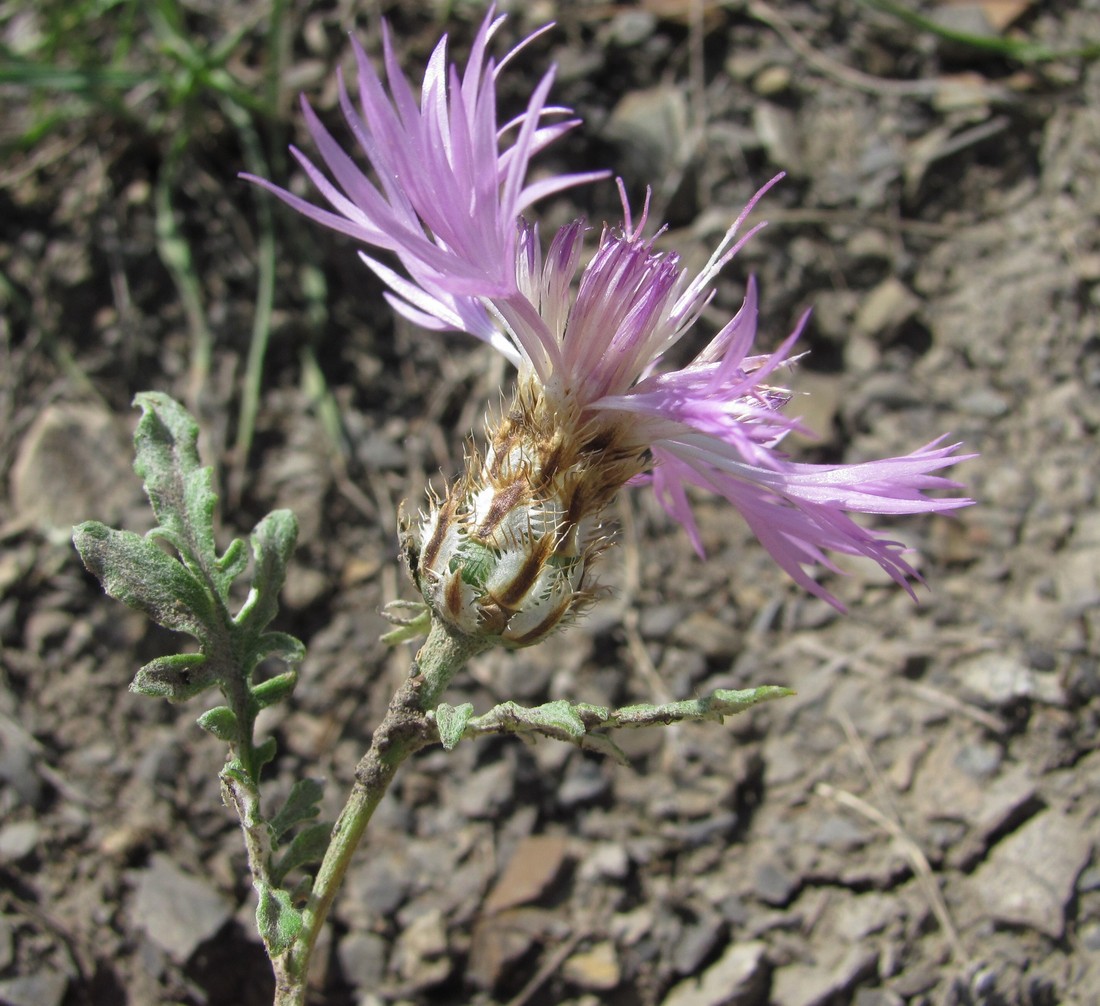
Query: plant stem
point(265, 297)
point(405, 729)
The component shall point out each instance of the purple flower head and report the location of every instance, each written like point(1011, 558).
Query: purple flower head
point(449, 180)
point(596, 406)
point(717, 423)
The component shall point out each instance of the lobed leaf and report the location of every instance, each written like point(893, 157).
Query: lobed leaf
point(716, 706)
point(307, 847)
point(179, 488)
point(273, 541)
point(233, 561)
point(140, 574)
point(579, 722)
point(181, 491)
point(559, 715)
point(301, 805)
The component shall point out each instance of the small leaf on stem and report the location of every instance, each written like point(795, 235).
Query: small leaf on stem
point(308, 846)
point(559, 716)
point(265, 752)
point(275, 689)
point(451, 722)
point(222, 722)
point(177, 678)
point(301, 805)
point(140, 574)
point(578, 722)
point(273, 541)
point(412, 618)
point(278, 921)
point(181, 490)
point(280, 645)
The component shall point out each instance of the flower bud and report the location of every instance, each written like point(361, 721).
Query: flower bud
point(507, 552)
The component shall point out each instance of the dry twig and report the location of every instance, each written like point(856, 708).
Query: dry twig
point(889, 819)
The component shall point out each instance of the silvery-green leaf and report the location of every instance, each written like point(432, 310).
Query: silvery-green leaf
point(222, 722)
point(180, 489)
point(265, 752)
point(722, 703)
point(178, 677)
point(275, 689)
point(273, 541)
point(451, 723)
point(280, 645)
point(301, 805)
point(733, 701)
point(558, 715)
point(307, 847)
point(139, 573)
point(278, 921)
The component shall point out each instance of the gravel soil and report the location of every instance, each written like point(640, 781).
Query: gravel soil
point(918, 825)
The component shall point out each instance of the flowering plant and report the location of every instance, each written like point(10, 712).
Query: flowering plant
point(508, 548)
point(505, 555)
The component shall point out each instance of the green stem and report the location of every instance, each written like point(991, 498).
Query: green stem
point(405, 729)
point(265, 296)
point(175, 253)
point(443, 655)
point(1020, 49)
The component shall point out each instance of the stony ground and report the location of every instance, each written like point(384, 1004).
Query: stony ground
point(918, 825)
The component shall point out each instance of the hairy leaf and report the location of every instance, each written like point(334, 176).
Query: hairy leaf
point(273, 541)
point(721, 703)
point(177, 678)
point(138, 572)
point(280, 645)
point(267, 693)
point(278, 921)
point(222, 722)
point(559, 715)
point(579, 722)
point(451, 722)
point(189, 591)
point(301, 805)
point(307, 847)
point(180, 489)
point(265, 752)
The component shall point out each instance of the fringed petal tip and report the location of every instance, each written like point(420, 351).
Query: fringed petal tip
point(446, 182)
point(800, 513)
